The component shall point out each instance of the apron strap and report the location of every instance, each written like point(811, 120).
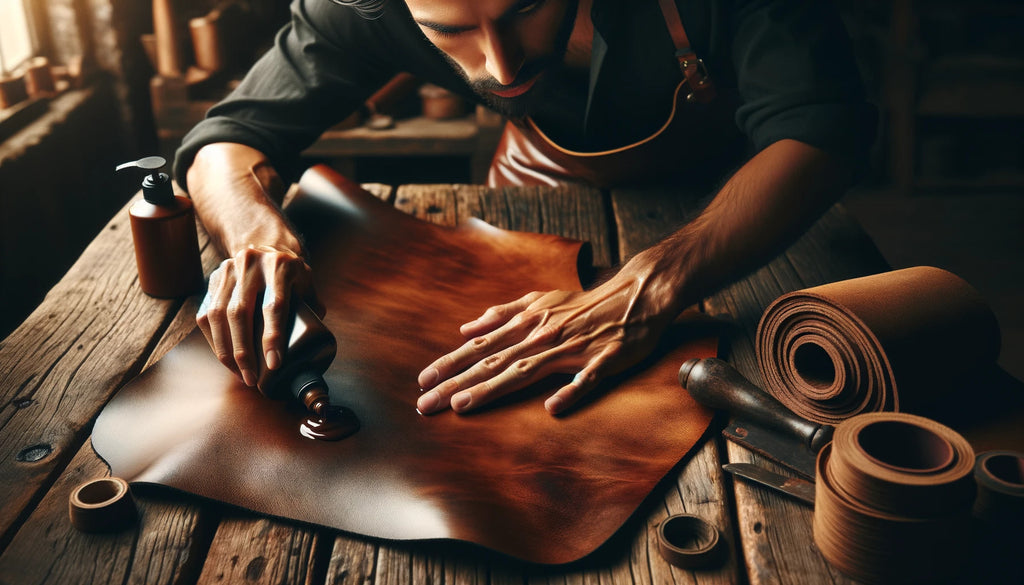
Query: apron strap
point(702, 89)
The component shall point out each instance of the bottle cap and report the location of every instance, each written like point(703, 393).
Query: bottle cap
point(156, 187)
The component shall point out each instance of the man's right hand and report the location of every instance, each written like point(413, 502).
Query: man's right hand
point(256, 283)
point(237, 196)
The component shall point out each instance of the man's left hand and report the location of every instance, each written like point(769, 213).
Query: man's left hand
point(592, 334)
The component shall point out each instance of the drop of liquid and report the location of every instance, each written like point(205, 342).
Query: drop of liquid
point(330, 423)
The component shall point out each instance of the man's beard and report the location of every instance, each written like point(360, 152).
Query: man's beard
point(525, 104)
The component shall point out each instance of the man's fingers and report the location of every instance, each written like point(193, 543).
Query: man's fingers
point(216, 329)
point(240, 319)
point(582, 383)
point(495, 377)
point(275, 312)
point(280, 272)
point(497, 316)
point(473, 351)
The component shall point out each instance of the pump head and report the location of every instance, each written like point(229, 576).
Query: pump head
point(156, 187)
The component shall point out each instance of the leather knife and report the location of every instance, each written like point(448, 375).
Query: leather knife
point(765, 426)
point(800, 489)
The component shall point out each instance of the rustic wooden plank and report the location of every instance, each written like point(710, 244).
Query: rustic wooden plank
point(92, 333)
point(166, 546)
point(432, 203)
point(352, 562)
point(642, 218)
point(260, 550)
point(775, 531)
point(851, 253)
point(571, 212)
point(418, 136)
point(575, 212)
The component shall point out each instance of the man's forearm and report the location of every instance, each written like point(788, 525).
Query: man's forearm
point(763, 208)
point(237, 196)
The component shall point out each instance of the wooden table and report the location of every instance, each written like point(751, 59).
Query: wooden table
point(96, 330)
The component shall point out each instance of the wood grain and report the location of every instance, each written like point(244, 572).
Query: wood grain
point(775, 532)
point(165, 546)
point(94, 331)
point(643, 218)
point(259, 550)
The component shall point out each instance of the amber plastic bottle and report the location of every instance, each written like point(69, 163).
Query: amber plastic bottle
point(164, 231)
point(311, 349)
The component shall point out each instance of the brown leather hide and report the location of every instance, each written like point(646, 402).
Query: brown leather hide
point(514, 479)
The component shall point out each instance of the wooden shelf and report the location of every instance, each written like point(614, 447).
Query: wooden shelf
point(409, 137)
point(933, 83)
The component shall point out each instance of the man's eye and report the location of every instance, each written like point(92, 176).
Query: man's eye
point(529, 7)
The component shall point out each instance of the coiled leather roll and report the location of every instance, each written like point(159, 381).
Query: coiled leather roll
point(894, 341)
point(893, 499)
point(1000, 477)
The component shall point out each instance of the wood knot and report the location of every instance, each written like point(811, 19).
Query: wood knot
point(34, 453)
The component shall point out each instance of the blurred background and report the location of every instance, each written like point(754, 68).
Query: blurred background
point(88, 84)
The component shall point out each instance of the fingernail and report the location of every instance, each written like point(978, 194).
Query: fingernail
point(461, 401)
point(428, 403)
point(554, 404)
point(273, 359)
point(249, 378)
point(428, 378)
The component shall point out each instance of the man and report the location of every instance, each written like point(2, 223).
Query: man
point(601, 91)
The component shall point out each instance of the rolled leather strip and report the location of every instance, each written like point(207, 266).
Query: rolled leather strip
point(894, 341)
point(688, 542)
point(1000, 478)
point(102, 505)
point(999, 515)
point(893, 499)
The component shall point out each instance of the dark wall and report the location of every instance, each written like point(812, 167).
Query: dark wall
point(57, 190)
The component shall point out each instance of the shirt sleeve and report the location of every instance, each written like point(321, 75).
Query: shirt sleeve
point(798, 79)
point(322, 66)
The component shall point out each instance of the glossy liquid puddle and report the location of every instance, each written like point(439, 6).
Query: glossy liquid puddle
point(329, 423)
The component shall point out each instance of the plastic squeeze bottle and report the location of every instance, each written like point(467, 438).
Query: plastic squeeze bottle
point(164, 231)
point(311, 349)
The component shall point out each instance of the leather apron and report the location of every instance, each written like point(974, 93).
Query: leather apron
point(699, 132)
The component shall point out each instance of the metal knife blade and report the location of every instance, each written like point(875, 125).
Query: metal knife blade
point(798, 488)
point(781, 449)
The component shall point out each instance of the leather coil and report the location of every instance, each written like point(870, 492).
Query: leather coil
point(894, 493)
point(689, 542)
point(873, 343)
point(1000, 478)
point(999, 514)
point(102, 505)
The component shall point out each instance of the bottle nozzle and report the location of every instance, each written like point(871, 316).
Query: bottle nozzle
point(313, 395)
point(156, 187)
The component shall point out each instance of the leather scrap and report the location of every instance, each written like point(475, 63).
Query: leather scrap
point(513, 479)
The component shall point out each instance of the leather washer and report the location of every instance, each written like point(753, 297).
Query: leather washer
point(688, 542)
point(102, 505)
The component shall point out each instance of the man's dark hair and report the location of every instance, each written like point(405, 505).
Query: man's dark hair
point(369, 9)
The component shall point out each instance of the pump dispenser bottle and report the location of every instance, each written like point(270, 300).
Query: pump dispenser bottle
point(164, 231)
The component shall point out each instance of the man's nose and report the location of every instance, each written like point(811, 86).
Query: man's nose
point(503, 55)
